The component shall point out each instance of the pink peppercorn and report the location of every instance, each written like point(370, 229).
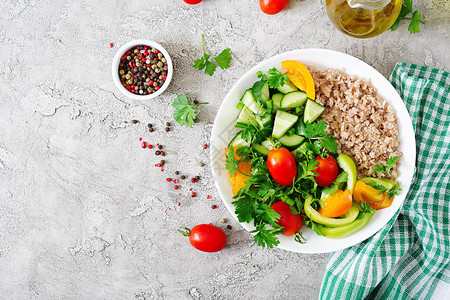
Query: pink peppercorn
point(144, 145)
point(169, 179)
point(208, 197)
point(175, 181)
point(205, 146)
point(150, 146)
point(193, 180)
point(176, 187)
point(193, 194)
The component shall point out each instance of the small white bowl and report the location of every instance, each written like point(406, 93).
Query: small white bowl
point(116, 62)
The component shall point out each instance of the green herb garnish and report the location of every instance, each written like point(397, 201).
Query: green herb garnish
point(222, 60)
point(185, 112)
point(390, 163)
point(416, 18)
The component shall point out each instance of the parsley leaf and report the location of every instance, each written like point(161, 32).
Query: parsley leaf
point(416, 18)
point(266, 237)
point(390, 163)
point(222, 60)
point(314, 226)
point(329, 143)
point(378, 168)
point(245, 208)
point(316, 129)
point(232, 164)
point(184, 112)
point(394, 191)
point(365, 208)
point(276, 78)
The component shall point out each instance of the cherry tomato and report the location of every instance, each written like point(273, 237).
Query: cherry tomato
point(207, 238)
point(291, 223)
point(327, 169)
point(192, 1)
point(282, 166)
point(272, 7)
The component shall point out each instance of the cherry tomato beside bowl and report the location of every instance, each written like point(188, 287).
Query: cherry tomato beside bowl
point(206, 237)
point(327, 171)
point(272, 7)
point(291, 223)
point(282, 166)
point(192, 1)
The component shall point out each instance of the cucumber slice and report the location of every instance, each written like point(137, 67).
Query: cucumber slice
point(287, 88)
point(246, 117)
point(240, 106)
point(283, 122)
point(264, 121)
point(312, 111)
point(261, 149)
point(269, 144)
point(260, 91)
point(276, 100)
point(248, 100)
point(237, 142)
point(348, 165)
point(293, 99)
point(291, 141)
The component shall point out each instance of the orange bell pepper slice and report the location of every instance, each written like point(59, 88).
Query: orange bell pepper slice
point(238, 179)
point(365, 193)
point(337, 204)
point(300, 76)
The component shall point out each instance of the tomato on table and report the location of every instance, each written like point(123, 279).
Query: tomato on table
point(206, 237)
point(282, 166)
point(327, 171)
point(192, 1)
point(272, 7)
point(291, 222)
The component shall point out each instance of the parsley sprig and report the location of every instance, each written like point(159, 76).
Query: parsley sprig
point(389, 164)
point(390, 192)
point(275, 78)
point(416, 18)
point(185, 112)
point(318, 140)
point(204, 62)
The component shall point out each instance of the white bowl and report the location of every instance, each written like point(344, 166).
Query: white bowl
point(223, 131)
point(115, 68)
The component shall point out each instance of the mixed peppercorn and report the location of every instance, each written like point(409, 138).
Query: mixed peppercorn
point(143, 70)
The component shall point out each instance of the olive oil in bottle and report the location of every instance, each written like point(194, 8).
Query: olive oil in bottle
point(363, 18)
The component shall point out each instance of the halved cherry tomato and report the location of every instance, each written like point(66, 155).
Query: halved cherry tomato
point(192, 1)
point(291, 223)
point(337, 204)
point(206, 237)
point(238, 179)
point(300, 77)
point(272, 7)
point(365, 193)
point(282, 166)
point(328, 171)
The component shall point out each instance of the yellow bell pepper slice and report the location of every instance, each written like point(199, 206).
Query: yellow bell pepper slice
point(300, 76)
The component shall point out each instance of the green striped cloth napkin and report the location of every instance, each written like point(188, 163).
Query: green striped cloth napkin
point(410, 257)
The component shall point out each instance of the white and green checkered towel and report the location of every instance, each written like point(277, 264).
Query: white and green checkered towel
point(410, 257)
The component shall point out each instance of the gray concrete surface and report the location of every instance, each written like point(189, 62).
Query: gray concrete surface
point(84, 214)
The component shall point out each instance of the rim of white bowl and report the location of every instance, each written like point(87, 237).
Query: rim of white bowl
point(115, 68)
